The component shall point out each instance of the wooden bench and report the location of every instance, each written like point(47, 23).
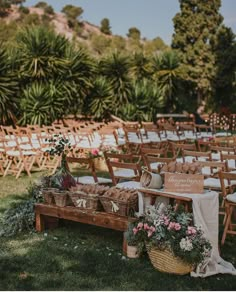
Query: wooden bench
point(45, 213)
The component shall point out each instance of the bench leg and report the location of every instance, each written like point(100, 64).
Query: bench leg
point(40, 222)
point(124, 245)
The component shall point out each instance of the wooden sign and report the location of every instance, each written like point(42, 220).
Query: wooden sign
point(184, 183)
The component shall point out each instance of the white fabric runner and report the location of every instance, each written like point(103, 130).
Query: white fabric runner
point(206, 214)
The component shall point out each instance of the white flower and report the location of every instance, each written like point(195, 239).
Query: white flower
point(186, 244)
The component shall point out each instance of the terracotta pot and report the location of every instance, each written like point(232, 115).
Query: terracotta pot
point(132, 252)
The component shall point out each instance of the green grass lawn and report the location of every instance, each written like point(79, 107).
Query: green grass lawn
point(81, 257)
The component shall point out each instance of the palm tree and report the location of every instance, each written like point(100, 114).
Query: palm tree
point(41, 53)
point(168, 73)
point(140, 66)
point(41, 103)
point(99, 101)
point(8, 89)
point(48, 60)
point(115, 68)
point(147, 101)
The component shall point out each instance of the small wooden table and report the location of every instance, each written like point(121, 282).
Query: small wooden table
point(44, 212)
point(186, 201)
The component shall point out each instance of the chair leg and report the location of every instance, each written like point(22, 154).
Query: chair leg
point(229, 211)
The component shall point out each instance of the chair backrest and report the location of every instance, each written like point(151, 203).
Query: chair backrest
point(84, 161)
point(197, 154)
point(231, 179)
point(177, 148)
point(214, 166)
point(122, 161)
point(227, 158)
point(228, 141)
point(223, 149)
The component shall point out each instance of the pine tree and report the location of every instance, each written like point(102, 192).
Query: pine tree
point(105, 26)
point(195, 25)
point(224, 46)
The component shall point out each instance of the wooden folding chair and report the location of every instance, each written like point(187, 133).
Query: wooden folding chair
point(123, 167)
point(189, 156)
point(230, 160)
point(177, 148)
point(229, 197)
point(82, 162)
point(150, 157)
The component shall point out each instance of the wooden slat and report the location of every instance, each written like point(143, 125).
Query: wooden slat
point(164, 194)
point(101, 219)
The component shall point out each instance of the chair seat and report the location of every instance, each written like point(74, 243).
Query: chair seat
point(231, 197)
point(90, 180)
point(126, 173)
point(129, 185)
point(215, 183)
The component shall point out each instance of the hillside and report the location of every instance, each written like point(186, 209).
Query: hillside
point(84, 33)
point(60, 23)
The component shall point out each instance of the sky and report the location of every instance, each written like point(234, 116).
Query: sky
point(152, 17)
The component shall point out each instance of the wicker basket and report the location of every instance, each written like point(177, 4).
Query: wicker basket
point(61, 198)
point(165, 261)
point(100, 164)
point(48, 195)
point(119, 207)
point(85, 201)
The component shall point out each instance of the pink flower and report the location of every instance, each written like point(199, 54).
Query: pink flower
point(171, 225)
point(152, 228)
point(177, 226)
point(150, 233)
point(135, 230)
point(145, 226)
point(95, 152)
point(166, 220)
point(191, 230)
point(140, 225)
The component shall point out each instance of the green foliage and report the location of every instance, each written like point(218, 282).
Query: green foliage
point(105, 26)
point(100, 43)
point(131, 239)
point(118, 43)
point(24, 10)
point(224, 47)
point(174, 230)
point(49, 10)
point(4, 8)
point(134, 33)
point(154, 46)
point(140, 66)
point(8, 89)
point(72, 12)
point(168, 73)
point(41, 4)
point(195, 26)
point(147, 101)
point(41, 53)
point(42, 103)
point(100, 100)
point(21, 217)
point(115, 68)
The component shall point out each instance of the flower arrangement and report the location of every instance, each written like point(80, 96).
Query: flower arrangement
point(95, 153)
point(162, 227)
point(62, 179)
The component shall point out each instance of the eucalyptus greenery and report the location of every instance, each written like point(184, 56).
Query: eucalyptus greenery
point(21, 217)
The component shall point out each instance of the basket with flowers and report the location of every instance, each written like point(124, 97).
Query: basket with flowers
point(174, 244)
point(62, 180)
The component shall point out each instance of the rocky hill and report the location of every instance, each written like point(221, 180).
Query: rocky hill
point(60, 23)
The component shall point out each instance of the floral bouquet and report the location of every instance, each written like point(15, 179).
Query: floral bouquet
point(62, 179)
point(164, 228)
point(95, 153)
